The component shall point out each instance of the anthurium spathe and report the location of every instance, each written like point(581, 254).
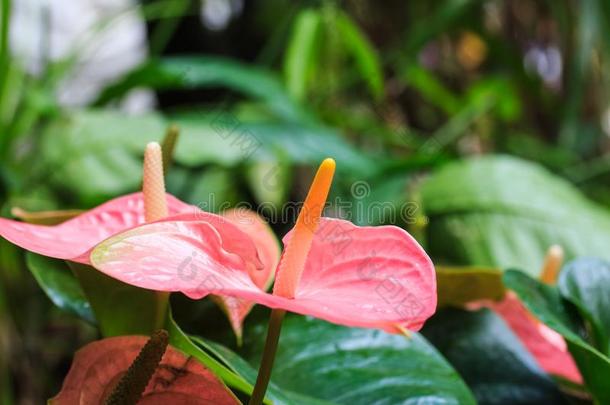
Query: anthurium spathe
point(98, 368)
point(74, 239)
point(547, 346)
point(375, 277)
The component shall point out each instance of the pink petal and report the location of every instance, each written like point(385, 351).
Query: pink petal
point(73, 238)
point(546, 345)
point(269, 252)
point(366, 277)
point(198, 254)
point(375, 277)
point(179, 379)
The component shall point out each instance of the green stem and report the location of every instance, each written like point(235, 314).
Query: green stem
point(264, 372)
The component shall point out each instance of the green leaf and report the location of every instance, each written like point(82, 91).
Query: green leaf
point(183, 342)
point(240, 366)
point(457, 286)
point(190, 72)
point(490, 358)
point(586, 284)
point(363, 52)
point(121, 309)
point(498, 211)
point(97, 154)
point(300, 57)
point(547, 305)
point(432, 89)
point(60, 285)
point(359, 366)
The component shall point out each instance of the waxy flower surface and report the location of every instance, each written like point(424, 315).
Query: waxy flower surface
point(377, 277)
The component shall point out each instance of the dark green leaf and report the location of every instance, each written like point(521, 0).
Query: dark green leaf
point(503, 212)
point(490, 358)
point(359, 366)
point(240, 366)
point(207, 71)
point(586, 284)
point(121, 309)
point(60, 285)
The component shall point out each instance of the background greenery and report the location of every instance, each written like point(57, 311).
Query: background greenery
point(490, 120)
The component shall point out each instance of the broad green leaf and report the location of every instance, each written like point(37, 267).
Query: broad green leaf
point(586, 284)
point(97, 155)
point(503, 212)
point(300, 57)
point(240, 366)
point(547, 305)
point(490, 358)
point(60, 285)
point(119, 308)
point(359, 366)
point(363, 52)
point(457, 286)
point(190, 72)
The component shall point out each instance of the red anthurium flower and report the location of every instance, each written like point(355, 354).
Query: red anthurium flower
point(547, 346)
point(355, 276)
point(98, 367)
point(74, 239)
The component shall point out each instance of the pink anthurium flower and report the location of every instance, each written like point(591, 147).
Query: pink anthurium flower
point(377, 277)
point(98, 367)
point(547, 346)
point(74, 239)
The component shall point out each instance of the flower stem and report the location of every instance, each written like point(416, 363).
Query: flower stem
point(264, 372)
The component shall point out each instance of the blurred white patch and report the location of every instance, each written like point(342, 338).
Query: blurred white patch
point(545, 62)
point(217, 14)
point(107, 38)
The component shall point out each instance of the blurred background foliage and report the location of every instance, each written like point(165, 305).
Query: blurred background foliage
point(405, 95)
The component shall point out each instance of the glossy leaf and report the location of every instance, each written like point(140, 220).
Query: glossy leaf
point(586, 284)
point(503, 212)
point(547, 305)
point(60, 285)
point(357, 366)
point(490, 358)
point(237, 364)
